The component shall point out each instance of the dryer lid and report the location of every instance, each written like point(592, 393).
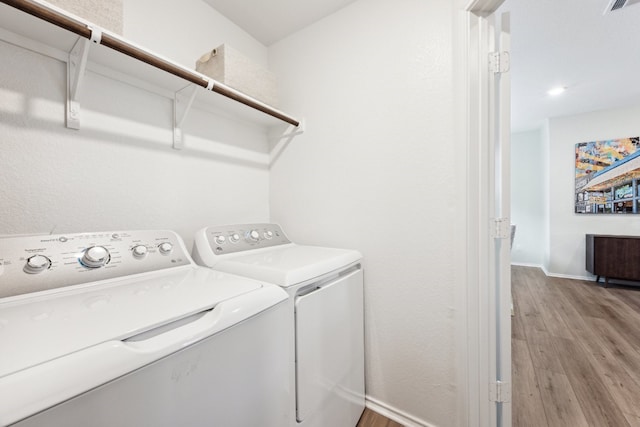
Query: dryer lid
point(287, 265)
point(40, 328)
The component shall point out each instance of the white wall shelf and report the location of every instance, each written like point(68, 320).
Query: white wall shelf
point(22, 23)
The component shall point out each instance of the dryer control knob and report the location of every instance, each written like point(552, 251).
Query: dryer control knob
point(220, 240)
point(165, 248)
point(139, 251)
point(253, 236)
point(95, 257)
point(268, 234)
point(234, 238)
point(37, 264)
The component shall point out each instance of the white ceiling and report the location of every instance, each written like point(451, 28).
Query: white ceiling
point(269, 21)
point(554, 43)
point(571, 43)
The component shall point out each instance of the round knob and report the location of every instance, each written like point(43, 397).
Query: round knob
point(268, 234)
point(165, 248)
point(139, 251)
point(253, 236)
point(220, 240)
point(37, 264)
point(95, 257)
point(234, 238)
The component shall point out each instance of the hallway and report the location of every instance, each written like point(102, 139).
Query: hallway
point(576, 352)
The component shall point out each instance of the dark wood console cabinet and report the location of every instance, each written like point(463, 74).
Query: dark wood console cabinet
point(613, 257)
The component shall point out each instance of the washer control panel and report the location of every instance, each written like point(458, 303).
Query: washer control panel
point(243, 237)
point(36, 263)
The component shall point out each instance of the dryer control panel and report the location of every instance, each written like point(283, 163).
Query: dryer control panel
point(37, 263)
point(243, 237)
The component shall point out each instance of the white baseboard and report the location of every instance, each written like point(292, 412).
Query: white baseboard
point(545, 271)
point(527, 264)
point(548, 274)
point(569, 276)
point(394, 414)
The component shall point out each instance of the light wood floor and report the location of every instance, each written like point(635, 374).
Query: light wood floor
point(373, 419)
point(576, 352)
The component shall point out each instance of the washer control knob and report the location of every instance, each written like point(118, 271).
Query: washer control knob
point(37, 264)
point(95, 257)
point(234, 238)
point(165, 248)
point(139, 251)
point(268, 234)
point(220, 240)
point(253, 236)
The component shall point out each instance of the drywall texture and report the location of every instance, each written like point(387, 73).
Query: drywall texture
point(185, 30)
point(119, 170)
point(375, 171)
point(567, 229)
point(105, 13)
point(528, 194)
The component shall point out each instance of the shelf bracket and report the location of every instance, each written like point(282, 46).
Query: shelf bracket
point(292, 130)
point(76, 66)
point(281, 140)
point(182, 102)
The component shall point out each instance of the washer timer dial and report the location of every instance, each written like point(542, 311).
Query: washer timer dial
point(95, 257)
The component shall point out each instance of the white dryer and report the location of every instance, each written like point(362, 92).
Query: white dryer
point(123, 329)
point(325, 288)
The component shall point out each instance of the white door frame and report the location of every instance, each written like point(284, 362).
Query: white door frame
point(477, 172)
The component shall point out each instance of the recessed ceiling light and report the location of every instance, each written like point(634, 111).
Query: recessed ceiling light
point(556, 91)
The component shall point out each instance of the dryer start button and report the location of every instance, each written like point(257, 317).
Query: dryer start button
point(165, 248)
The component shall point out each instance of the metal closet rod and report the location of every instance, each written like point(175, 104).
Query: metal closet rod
point(122, 46)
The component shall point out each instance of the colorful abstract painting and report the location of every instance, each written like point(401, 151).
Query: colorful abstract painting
point(608, 176)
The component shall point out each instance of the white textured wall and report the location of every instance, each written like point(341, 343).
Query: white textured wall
point(567, 230)
point(184, 30)
point(119, 170)
point(528, 194)
point(105, 13)
point(375, 171)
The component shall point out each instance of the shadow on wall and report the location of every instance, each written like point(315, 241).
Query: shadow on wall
point(139, 141)
point(118, 113)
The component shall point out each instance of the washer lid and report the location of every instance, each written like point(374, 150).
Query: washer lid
point(287, 265)
point(37, 329)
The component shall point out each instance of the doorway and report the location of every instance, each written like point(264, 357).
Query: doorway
point(486, 171)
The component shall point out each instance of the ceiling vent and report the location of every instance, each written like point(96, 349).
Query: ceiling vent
point(619, 4)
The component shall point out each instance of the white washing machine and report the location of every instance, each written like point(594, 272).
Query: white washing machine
point(123, 329)
point(325, 288)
